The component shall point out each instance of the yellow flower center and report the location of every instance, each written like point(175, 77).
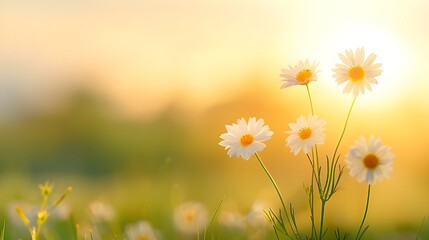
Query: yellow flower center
point(371, 161)
point(42, 216)
point(304, 133)
point(356, 73)
point(143, 237)
point(304, 75)
point(246, 140)
point(189, 216)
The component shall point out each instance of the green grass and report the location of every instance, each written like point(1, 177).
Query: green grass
point(3, 229)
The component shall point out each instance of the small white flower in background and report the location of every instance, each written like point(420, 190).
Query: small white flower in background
point(257, 221)
point(233, 219)
point(369, 161)
point(305, 134)
point(141, 230)
point(256, 216)
point(190, 218)
point(356, 71)
point(244, 139)
point(301, 74)
point(101, 211)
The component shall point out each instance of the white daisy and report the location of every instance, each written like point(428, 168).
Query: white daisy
point(190, 218)
point(369, 161)
point(305, 134)
point(357, 71)
point(141, 230)
point(301, 74)
point(245, 138)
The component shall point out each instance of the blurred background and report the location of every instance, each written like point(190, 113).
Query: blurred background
point(126, 100)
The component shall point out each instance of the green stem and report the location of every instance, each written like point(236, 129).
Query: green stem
point(313, 176)
point(312, 113)
point(295, 231)
point(344, 129)
point(359, 235)
point(313, 226)
point(322, 216)
point(3, 229)
point(309, 96)
point(420, 229)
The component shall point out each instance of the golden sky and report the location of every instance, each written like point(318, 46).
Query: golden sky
point(142, 54)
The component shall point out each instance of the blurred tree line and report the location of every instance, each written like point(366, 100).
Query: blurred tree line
point(85, 137)
point(82, 138)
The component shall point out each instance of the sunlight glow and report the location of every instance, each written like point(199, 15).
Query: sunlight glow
point(390, 53)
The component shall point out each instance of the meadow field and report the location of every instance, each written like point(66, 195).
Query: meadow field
point(112, 116)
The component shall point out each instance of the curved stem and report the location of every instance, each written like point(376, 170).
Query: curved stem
point(309, 96)
point(364, 215)
point(312, 113)
point(344, 128)
point(295, 231)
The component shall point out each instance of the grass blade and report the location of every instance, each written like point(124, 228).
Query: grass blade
point(3, 230)
point(213, 217)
